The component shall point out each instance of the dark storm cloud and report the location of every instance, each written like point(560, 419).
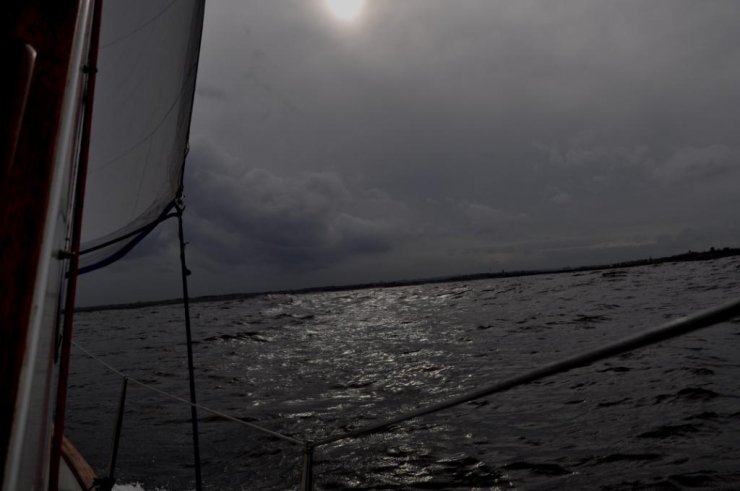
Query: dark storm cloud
point(432, 137)
point(245, 214)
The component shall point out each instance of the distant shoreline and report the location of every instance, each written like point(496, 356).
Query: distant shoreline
point(685, 257)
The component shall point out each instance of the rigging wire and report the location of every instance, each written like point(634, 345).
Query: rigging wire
point(185, 401)
point(185, 272)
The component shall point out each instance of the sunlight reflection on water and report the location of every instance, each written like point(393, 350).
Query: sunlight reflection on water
point(317, 364)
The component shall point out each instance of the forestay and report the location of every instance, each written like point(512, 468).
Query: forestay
point(146, 80)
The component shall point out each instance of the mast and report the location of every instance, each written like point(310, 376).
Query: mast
point(74, 253)
point(47, 42)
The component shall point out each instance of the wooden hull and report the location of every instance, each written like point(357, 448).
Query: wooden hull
point(75, 474)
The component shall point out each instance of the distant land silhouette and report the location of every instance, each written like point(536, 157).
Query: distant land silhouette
point(711, 254)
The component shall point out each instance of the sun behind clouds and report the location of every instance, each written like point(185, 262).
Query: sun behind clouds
point(346, 10)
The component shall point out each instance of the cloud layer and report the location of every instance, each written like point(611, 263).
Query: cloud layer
point(431, 137)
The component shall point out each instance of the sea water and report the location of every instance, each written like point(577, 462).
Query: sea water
point(665, 417)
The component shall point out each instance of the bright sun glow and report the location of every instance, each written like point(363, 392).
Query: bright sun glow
point(345, 9)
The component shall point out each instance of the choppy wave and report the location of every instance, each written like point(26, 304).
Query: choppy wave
point(312, 365)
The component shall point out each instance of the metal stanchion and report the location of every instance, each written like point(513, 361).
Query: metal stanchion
point(307, 474)
point(106, 483)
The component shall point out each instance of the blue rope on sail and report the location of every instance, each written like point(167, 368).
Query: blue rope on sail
point(138, 236)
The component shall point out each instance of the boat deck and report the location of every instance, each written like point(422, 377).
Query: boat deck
point(75, 474)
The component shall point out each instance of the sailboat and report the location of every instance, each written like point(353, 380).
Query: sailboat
point(110, 83)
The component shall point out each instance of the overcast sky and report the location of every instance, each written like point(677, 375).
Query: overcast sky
point(437, 137)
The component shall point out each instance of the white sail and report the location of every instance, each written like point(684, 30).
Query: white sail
point(147, 66)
